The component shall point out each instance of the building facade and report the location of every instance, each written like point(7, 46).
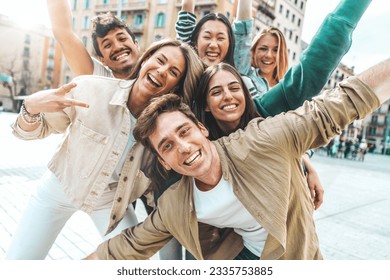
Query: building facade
point(31, 59)
point(153, 20)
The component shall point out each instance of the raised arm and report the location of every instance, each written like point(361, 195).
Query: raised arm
point(352, 99)
point(306, 79)
point(186, 21)
point(378, 78)
point(77, 56)
point(242, 28)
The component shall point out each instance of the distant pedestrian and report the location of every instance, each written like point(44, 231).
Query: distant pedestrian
point(362, 150)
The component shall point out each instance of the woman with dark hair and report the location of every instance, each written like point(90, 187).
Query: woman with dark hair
point(212, 37)
point(224, 105)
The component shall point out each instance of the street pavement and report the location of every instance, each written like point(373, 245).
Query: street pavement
point(352, 224)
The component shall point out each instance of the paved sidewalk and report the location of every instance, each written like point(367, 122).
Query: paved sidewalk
point(22, 163)
point(353, 223)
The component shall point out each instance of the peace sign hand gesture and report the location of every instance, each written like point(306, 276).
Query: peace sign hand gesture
point(52, 100)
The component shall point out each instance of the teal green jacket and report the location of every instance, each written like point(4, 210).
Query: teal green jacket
point(306, 79)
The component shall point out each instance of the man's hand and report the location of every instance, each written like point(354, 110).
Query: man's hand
point(92, 256)
point(316, 189)
point(313, 181)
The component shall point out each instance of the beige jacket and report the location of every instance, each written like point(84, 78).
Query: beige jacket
point(262, 163)
point(94, 140)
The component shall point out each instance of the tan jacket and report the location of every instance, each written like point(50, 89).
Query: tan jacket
point(95, 139)
point(263, 164)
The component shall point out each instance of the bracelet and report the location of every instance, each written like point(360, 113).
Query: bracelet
point(29, 118)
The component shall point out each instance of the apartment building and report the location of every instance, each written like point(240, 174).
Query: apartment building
point(30, 58)
point(153, 20)
point(377, 129)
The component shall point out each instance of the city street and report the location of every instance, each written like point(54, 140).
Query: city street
point(352, 224)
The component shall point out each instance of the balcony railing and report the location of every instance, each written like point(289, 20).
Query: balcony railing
point(129, 6)
point(199, 3)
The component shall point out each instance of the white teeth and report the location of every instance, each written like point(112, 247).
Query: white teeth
point(229, 107)
point(267, 63)
point(192, 158)
point(121, 56)
point(154, 80)
point(212, 54)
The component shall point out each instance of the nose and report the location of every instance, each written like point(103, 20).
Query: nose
point(213, 42)
point(162, 70)
point(227, 95)
point(184, 147)
point(269, 53)
point(116, 44)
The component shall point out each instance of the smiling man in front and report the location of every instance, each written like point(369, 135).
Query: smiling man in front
point(244, 195)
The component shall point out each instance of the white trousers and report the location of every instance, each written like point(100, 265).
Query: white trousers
point(46, 214)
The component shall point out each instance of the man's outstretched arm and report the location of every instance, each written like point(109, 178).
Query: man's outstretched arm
point(77, 56)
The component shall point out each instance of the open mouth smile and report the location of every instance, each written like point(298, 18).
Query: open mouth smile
point(192, 158)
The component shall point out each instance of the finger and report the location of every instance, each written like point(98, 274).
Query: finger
point(64, 89)
point(74, 102)
point(319, 199)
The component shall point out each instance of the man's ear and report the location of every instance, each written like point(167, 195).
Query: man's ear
point(203, 129)
point(163, 163)
point(136, 44)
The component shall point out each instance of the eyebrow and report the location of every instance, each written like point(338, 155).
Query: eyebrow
point(120, 33)
point(165, 138)
point(218, 86)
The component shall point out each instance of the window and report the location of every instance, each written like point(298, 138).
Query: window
point(296, 2)
point(27, 39)
point(294, 55)
point(157, 38)
point(296, 39)
point(290, 35)
point(228, 15)
point(85, 40)
point(162, 1)
point(302, 5)
point(73, 23)
point(138, 20)
point(74, 5)
point(105, 2)
point(86, 22)
point(280, 9)
point(50, 64)
point(160, 20)
point(87, 4)
point(293, 18)
point(26, 64)
point(287, 13)
point(299, 22)
point(205, 12)
point(26, 52)
point(374, 119)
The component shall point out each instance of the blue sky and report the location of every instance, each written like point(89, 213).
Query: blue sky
point(371, 39)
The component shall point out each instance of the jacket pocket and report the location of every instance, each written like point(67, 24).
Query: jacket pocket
point(85, 151)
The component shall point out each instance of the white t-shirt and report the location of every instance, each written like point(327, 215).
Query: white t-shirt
point(100, 70)
point(219, 207)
